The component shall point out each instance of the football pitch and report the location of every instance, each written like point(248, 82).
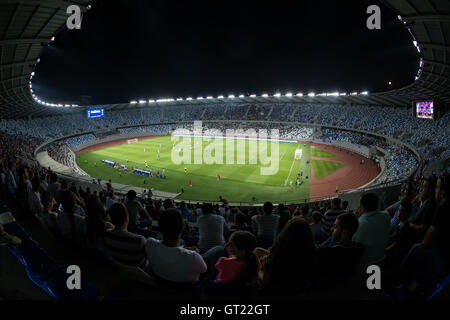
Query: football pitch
point(243, 182)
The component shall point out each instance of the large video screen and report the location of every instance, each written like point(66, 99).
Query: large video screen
point(95, 113)
point(425, 110)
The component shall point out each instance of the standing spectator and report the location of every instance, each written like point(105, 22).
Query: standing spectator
point(373, 230)
point(54, 185)
point(266, 226)
point(212, 229)
point(167, 259)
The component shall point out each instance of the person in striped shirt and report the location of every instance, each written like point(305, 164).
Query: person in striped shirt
point(329, 217)
point(121, 245)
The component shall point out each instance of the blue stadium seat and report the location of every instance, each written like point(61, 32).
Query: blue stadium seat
point(56, 287)
point(39, 265)
point(420, 287)
point(27, 245)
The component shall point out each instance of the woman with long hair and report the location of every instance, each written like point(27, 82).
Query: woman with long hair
point(97, 221)
point(289, 265)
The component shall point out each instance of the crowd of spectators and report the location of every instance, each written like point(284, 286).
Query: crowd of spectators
point(268, 251)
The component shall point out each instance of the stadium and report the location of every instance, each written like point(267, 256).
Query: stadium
point(71, 170)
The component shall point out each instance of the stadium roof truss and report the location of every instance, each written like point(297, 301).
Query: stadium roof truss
point(27, 27)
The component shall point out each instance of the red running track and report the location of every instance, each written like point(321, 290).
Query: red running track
point(352, 176)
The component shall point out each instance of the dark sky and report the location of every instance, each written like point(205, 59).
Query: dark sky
point(132, 49)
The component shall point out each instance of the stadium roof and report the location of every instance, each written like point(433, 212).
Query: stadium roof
point(27, 26)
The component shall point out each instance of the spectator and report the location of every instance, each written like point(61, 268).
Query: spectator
point(266, 226)
point(289, 265)
point(285, 216)
point(135, 209)
point(167, 259)
point(329, 217)
point(34, 197)
point(432, 257)
point(338, 262)
point(54, 185)
point(427, 206)
point(404, 235)
point(212, 229)
point(71, 226)
point(97, 222)
point(184, 211)
point(408, 195)
point(316, 226)
point(47, 216)
point(120, 244)
point(242, 266)
point(373, 229)
point(240, 222)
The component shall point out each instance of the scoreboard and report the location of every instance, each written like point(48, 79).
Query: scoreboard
point(95, 113)
point(424, 109)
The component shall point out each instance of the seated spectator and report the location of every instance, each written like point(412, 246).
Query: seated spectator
point(316, 226)
point(47, 216)
point(97, 222)
point(373, 230)
point(338, 262)
point(212, 229)
point(70, 225)
point(34, 197)
point(431, 257)
point(344, 205)
point(285, 216)
point(135, 210)
point(328, 219)
point(290, 264)
point(242, 266)
point(123, 246)
point(240, 223)
point(404, 235)
point(427, 206)
point(408, 195)
point(266, 226)
point(110, 200)
point(166, 258)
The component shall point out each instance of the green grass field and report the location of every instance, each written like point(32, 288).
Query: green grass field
point(323, 168)
point(322, 153)
point(238, 183)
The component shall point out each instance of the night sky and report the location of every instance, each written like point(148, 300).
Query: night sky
point(150, 49)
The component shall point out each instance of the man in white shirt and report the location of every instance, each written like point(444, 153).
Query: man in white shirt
point(373, 230)
point(166, 258)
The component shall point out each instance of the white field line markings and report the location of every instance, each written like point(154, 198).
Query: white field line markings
point(292, 166)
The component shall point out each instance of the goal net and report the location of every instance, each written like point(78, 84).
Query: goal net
point(298, 154)
point(132, 141)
